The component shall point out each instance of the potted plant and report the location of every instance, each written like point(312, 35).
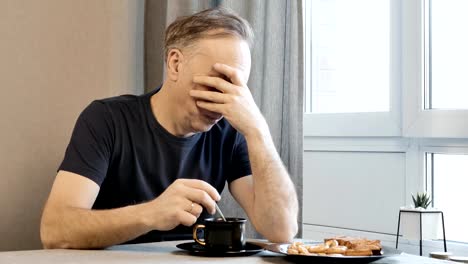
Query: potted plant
point(410, 218)
point(422, 200)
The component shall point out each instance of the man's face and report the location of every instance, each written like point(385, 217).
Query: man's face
point(201, 57)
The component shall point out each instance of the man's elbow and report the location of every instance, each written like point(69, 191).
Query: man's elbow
point(50, 241)
point(283, 234)
point(50, 235)
point(53, 244)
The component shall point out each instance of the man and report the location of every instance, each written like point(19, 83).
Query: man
point(145, 168)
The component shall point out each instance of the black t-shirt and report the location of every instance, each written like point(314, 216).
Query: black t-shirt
point(119, 144)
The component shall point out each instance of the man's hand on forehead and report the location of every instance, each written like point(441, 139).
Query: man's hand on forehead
point(235, 102)
point(221, 76)
point(224, 77)
point(214, 73)
point(229, 73)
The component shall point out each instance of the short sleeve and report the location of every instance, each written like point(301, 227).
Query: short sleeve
point(90, 148)
point(240, 165)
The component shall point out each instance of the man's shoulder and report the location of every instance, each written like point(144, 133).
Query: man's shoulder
point(113, 107)
point(122, 104)
point(120, 100)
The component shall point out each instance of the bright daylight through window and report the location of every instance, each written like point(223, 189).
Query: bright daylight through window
point(449, 175)
point(446, 88)
point(447, 55)
point(347, 56)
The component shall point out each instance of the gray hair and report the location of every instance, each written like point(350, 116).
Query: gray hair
point(214, 22)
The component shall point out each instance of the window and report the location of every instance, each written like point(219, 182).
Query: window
point(352, 68)
point(447, 42)
point(435, 111)
point(449, 176)
point(349, 57)
point(417, 52)
point(434, 63)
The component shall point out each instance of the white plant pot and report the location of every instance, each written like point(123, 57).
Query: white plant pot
point(431, 224)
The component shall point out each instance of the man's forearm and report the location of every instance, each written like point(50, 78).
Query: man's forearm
point(69, 227)
point(275, 199)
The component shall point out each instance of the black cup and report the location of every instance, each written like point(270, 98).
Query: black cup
point(221, 235)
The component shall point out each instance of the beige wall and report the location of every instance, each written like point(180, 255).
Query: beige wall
point(55, 57)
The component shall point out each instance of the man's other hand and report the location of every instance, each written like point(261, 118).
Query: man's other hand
point(181, 203)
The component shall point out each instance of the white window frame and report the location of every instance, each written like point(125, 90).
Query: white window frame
point(408, 127)
point(405, 118)
point(379, 124)
point(441, 146)
point(417, 121)
point(417, 148)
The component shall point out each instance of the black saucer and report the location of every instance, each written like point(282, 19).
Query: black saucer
point(199, 250)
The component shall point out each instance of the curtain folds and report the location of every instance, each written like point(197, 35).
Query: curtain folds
point(276, 78)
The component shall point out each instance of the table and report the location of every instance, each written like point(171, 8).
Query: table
point(161, 252)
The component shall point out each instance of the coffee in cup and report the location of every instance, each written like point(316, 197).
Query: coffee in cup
point(221, 235)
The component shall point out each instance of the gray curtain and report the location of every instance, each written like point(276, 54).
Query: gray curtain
point(276, 78)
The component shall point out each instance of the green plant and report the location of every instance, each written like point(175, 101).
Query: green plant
point(422, 200)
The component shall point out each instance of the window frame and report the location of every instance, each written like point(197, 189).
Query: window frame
point(407, 127)
point(368, 124)
point(418, 121)
point(407, 116)
point(437, 146)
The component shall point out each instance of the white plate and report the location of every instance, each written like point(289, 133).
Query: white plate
point(283, 249)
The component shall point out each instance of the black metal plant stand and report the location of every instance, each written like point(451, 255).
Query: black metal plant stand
point(420, 226)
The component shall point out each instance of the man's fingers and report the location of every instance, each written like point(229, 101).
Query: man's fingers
point(186, 218)
point(201, 197)
point(213, 107)
point(202, 185)
point(208, 96)
point(196, 210)
point(230, 72)
point(215, 82)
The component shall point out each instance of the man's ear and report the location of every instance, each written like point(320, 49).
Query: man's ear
point(174, 60)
